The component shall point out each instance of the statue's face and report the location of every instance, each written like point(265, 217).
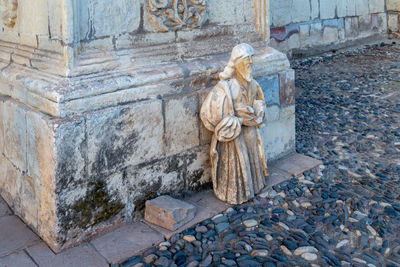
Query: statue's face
point(245, 68)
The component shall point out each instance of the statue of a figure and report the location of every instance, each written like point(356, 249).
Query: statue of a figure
point(233, 111)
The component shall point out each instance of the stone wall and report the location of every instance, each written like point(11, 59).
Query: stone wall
point(99, 106)
point(393, 9)
point(297, 25)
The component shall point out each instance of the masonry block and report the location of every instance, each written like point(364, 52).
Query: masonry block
point(327, 9)
point(270, 87)
point(181, 123)
point(168, 212)
point(362, 7)
point(376, 6)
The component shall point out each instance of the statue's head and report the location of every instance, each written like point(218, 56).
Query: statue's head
point(240, 63)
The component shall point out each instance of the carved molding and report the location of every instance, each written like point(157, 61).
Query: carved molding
point(8, 12)
point(170, 15)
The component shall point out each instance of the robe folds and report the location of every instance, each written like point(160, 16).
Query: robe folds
point(237, 157)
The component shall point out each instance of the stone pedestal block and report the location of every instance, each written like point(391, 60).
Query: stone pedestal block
point(99, 105)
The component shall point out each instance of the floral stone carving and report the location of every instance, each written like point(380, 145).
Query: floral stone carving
point(233, 111)
point(8, 12)
point(169, 15)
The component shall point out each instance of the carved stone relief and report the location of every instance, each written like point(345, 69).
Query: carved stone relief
point(8, 12)
point(169, 15)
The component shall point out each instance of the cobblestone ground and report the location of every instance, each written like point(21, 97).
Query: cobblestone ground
point(345, 214)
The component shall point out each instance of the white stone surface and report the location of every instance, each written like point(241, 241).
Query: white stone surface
point(362, 7)
point(327, 9)
point(376, 6)
point(330, 35)
point(281, 12)
point(393, 5)
point(181, 123)
point(393, 22)
point(278, 137)
point(124, 136)
point(14, 120)
point(314, 9)
point(301, 10)
point(351, 7)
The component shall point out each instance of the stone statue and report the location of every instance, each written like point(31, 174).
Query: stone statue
point(233, 111)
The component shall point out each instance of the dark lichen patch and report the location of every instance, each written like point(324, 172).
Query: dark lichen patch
point(96, 207)
point(150, 191)
point(117, 142)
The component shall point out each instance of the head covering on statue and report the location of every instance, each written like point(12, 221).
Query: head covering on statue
point(233, 111)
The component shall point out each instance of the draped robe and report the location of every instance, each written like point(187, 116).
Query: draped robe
point(237, 157)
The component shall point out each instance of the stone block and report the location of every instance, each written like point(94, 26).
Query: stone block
point(382, 22)
point(127, 241)
point(281, 12)
point(342, 8)
point(147, 180)
point(198, 171)
point(124, 136)
point(41, 156)
point(14, 122)
point(335, 23)
point(70, 147)
point(222, 13)
point(29, 194)
point(351, 27)
point(270, 86)
point(287, 88)
point(362, 7)
point(181, 123)
point(365, 23)
point(271, 113)
point(83, 255)
point(205, 134)
point(1, 127)
point(314, 9)
point(376, 6)
point(278, 137)
point(14, 235)
point(393, 5)
point(304, 33)
point(351, 8)
point(17, 259)
point(105, 19)
point(393, 22)
point(10, 178)
point(33, 17)
point(301, 11)
point(327, 9)
point(330, 35)
point(168, 212)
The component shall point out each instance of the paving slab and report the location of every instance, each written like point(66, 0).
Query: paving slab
point(127, 241)
point(4, 210)
point(83, 255)
point(17, 259)
point(296, 164)
point(15, 235)
point(277, 176)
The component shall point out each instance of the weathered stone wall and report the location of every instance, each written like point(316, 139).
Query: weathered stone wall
point(302, 24)
point(106, 115)
point(393, 10)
